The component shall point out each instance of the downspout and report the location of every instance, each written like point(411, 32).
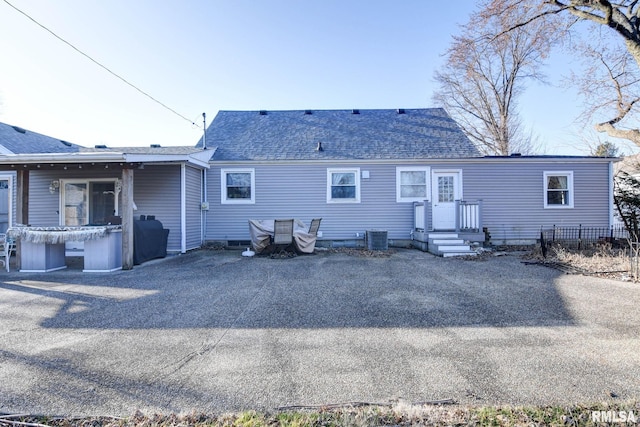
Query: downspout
point(183, 208)
point(611, 191)
point(204, 207)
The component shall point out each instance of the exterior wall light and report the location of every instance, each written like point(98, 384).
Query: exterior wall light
point(54, 186)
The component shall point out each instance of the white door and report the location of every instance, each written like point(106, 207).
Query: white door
point(446, 190)
point(5, 194)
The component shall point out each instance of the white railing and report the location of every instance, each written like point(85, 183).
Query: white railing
point(468, 216)
point(419, 216)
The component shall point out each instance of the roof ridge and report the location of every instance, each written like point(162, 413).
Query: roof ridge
point(303, 110)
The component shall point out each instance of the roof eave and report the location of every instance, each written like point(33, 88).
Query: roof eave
point(199, 159)
point(61, 158)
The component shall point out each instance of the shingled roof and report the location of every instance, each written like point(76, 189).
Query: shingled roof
point(344, 135)
point(16, 140)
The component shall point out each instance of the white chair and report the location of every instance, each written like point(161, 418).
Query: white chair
point(7, 245)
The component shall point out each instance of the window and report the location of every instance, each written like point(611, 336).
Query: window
point(446, 191)
point(412, 184)
point(558, 189)
point(343, 185)
point(88, 201)
point(237, 186)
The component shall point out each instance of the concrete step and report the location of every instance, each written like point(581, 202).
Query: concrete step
point(452, 254)
point(442, 235)
point(453, 248)
point(448, 245)
point(447, 241)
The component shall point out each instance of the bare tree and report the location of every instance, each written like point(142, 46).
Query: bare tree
point(609, 83)
point(485, 71)
point(620, 68)
point(626, 199)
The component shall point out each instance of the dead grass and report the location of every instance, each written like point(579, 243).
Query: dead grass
point(602, 260)
point(397, 414)
point(360, 252)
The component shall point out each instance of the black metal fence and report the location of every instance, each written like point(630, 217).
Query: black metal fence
point(579, 237)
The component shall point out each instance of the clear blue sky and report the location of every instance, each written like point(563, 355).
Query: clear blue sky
point(200, 56)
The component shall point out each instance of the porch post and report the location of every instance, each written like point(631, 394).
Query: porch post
point(127, 219)
point(427, 215)
point(457, 215)
point(480, 215)
point(22, 208)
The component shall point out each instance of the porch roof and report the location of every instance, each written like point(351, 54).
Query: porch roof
point(118, 157)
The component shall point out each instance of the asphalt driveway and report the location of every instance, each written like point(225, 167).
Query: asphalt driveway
point(214, 331)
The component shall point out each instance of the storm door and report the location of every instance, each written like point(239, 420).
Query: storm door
point(5, 203)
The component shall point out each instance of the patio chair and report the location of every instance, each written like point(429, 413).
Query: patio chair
point(282, 236)
point(7, 245)
point(315, 225)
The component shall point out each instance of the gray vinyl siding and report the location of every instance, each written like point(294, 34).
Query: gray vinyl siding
point(156, 191)
point(512, 191)
point(44, 207)
point(193, 212)
point(300, 191)
point(513, 196)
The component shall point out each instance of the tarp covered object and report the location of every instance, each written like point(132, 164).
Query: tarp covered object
point(261, 231)
point(57, 235)
point(149, 240)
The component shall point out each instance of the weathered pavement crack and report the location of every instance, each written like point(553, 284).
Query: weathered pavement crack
point(180, 364)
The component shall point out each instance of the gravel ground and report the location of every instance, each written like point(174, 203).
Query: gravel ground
point(213, 331)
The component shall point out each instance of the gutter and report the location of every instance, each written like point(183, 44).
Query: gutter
point(611, 193)
point(420, 161)
point(199, 159)
point(62, 158)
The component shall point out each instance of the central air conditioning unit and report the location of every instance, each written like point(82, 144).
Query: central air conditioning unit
point(377, 240)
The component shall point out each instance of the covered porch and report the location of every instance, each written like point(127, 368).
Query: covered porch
point(103, 187)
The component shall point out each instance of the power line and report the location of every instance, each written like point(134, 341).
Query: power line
point(101, 65)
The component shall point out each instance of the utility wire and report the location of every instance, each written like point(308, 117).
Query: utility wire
point(100, 65)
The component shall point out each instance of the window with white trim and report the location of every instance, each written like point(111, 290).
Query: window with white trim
point(558, 189)
point(343, 185)
point(237, 186)
point(89, 201)
point(412, 184)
